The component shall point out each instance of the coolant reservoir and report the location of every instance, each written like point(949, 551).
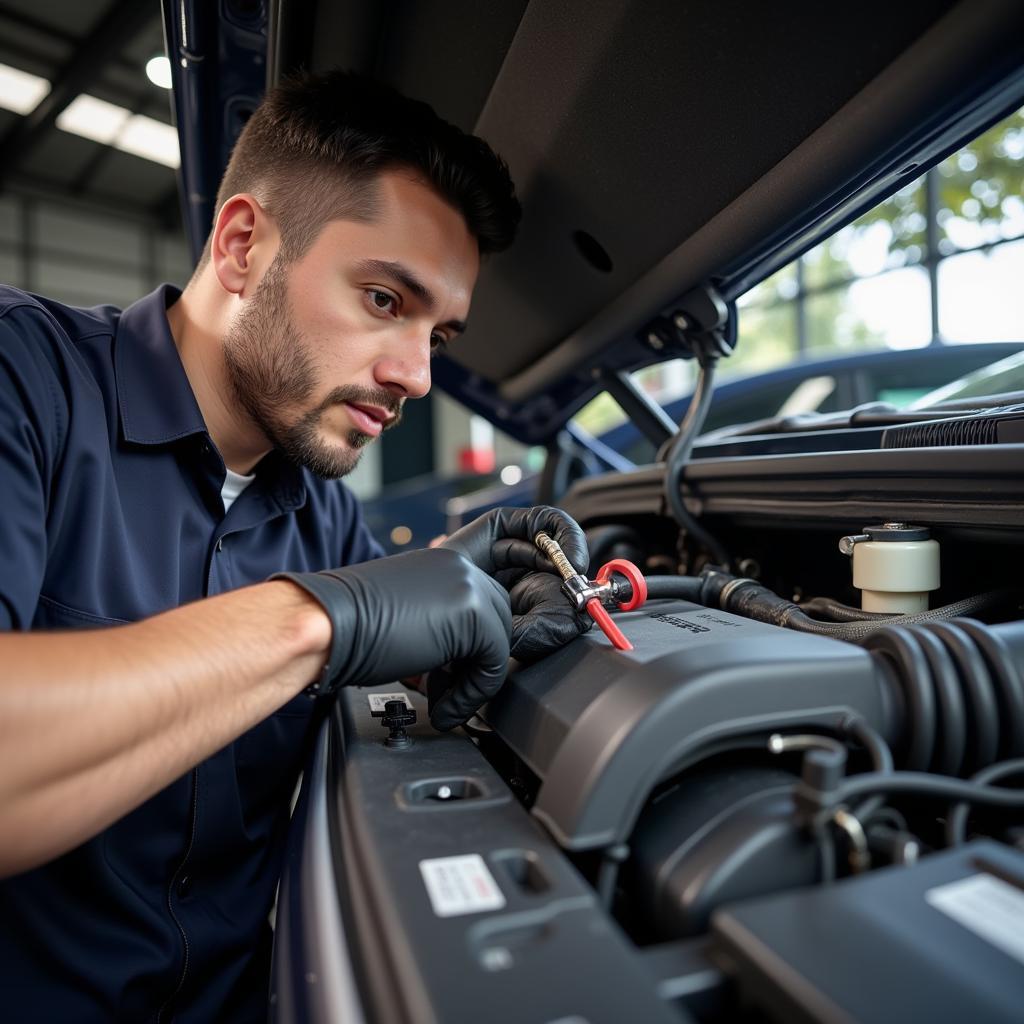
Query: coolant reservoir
point(895, 566)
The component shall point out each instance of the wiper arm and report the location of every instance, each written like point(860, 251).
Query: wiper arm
point(872, 414)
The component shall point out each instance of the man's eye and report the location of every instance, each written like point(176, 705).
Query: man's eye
point(384, 301)
point(438, 343)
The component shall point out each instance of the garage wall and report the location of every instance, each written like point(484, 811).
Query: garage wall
point(83, 257)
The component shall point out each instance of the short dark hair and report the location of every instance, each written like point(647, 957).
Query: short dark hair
point(311, 151)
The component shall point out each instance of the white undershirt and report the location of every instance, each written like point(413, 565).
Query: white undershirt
point(234, 484)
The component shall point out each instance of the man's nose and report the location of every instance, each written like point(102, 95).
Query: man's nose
point(406, 370)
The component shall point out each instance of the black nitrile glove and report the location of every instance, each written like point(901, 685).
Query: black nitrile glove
point(503, 539)
point(501, 542)
point(410, 613)
point(543, 618)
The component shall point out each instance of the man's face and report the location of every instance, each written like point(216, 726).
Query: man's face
point(324, 354)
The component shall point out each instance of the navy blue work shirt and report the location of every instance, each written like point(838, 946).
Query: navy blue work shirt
point(110, 511)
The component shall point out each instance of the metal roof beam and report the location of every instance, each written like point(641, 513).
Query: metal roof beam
point(122, 22)
point(19, 19)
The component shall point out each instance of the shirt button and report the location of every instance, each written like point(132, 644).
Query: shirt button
point(184, 886)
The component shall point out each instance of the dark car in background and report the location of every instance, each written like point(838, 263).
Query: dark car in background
point(780, 803)
point(410, 514)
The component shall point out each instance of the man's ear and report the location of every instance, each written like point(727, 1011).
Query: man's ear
point(243, 245)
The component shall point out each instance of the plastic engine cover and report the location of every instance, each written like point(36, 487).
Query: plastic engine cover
point(601, 728)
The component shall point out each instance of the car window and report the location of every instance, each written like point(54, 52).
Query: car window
point(937, 263)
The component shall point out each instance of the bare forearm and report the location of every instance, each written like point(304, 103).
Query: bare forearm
point(94, 723)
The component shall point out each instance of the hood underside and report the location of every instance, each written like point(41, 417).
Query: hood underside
point(657, 146)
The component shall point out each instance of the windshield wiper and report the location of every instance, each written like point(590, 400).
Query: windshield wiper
point(871, 414)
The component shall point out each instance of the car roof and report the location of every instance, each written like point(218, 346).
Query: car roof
point(657, 146)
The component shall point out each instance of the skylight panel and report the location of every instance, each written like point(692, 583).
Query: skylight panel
point(150, 139)
point(115, 126)
point(93, 119)
point(20, 91)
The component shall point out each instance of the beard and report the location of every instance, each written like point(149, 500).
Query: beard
point(271, 374)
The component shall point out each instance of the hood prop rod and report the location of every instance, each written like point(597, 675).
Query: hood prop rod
point(705, 330)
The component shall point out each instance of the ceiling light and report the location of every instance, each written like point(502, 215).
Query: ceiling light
point(150, 139)
point(20, 91)
point(115, 126)
point(158, 71)
point(93, 119)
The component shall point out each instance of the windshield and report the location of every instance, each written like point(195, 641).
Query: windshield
point(1002, 377)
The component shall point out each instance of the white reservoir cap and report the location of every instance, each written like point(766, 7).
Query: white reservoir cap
point(895, 566)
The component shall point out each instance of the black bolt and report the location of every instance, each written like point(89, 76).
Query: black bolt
point(397, 715)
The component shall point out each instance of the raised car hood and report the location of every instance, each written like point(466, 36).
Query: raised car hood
point(689, 142)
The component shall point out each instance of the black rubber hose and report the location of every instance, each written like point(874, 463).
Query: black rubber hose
point(836, 611)
point(685, 588)
point(979, 693)
point(679, 455)
point(956, 820)
point(901, 647)
point(746, 597)
point(1009, 683)
point(858, 630)
point(927, 786)
point(945, 682)
point(878, 750)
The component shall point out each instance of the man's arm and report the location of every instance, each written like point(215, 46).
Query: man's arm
point(93, 723)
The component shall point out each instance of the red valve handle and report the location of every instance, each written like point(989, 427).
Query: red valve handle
point(633, 574)
point(598, 613)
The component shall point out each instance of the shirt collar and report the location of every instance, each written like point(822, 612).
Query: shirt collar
point(156, 399)
point(153, 391)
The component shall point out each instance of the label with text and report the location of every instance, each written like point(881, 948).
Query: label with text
point(986, 905)
point(378, 700)
point(460, 885)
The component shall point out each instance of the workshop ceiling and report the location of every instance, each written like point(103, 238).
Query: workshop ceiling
point(98, 49)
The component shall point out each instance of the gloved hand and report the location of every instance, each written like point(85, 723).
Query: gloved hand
point(501, 542)
point(503, 539)
point(399, 616)
point(543, 618)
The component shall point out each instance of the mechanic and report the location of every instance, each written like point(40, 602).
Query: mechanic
point(158, 465)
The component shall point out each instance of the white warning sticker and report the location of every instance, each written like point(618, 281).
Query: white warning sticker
point(988, 906)
point(378, 700)
point(460, 885)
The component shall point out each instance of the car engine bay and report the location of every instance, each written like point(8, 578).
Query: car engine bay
point(779, 805)
point(797, 797)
